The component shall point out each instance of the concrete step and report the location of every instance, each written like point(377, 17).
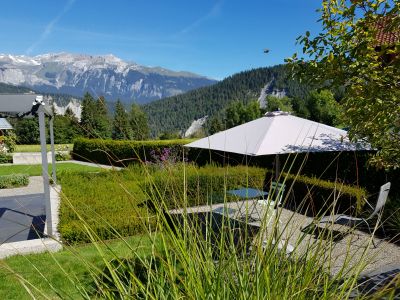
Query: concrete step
point(29, 158)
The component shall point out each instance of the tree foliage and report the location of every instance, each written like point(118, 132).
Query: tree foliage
point(121, 128)
point(66, 128)
point(276, 103)
point(138, 123)
point(95, 121)
point(102, 122)
point(358, 51)
point(323, 107)
point(27, 131)
point(88, 115)
point(238, 113)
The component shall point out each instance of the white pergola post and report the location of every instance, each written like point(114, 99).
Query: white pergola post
point(45, 175)
point(53, 153)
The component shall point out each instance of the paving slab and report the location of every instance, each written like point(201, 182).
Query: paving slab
point(23, 219)
point(343, 254)
point(85, 163)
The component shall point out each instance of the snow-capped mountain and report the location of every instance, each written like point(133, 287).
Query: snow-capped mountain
point(105, 75)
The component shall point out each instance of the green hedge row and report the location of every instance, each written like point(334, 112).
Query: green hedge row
point(122, 153)
point(351, 167)
point(106, 202)
point(208, 184)
point(13, 181)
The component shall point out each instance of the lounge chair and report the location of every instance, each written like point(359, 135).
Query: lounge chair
point(275, 195)
point(353, 221)
point(273, 200)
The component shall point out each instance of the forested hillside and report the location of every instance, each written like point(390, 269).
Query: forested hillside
point(177, 113)
point(60, 99)
point(12, 89)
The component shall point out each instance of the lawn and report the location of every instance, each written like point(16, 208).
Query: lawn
point(36, 170)
point(36, 148)
point(72, 260)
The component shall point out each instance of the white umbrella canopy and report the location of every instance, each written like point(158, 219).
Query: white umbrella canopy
point(279, 133)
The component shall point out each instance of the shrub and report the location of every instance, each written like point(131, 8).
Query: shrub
point(62, 156)
point(8, 141)
point(5, 158)
point(121, 153)
point(13, 181)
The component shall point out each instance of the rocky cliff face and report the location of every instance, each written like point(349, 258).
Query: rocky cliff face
point(104, 75)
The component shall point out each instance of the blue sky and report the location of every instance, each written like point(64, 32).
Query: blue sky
point(215, 38)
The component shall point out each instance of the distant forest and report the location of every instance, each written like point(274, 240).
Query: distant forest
point(177, 113)
point(60, 99)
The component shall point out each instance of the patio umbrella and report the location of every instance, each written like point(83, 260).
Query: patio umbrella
point(279, 133)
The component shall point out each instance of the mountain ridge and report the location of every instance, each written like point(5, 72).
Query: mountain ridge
point(105, 75)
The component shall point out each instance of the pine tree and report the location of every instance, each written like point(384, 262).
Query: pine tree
point(121, 128)
point(138, 123)
point(215, 124)
point(102, 122)
point(88, 115)
point(70, 115)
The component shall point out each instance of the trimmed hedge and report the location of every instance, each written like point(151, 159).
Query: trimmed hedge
point(13, 181)
point(105, 202)
point(351, 168)
point(122, 153)
point(206, 185)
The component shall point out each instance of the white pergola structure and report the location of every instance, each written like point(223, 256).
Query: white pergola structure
point(29, 106)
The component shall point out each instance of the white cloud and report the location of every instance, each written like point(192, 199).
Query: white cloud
point(49, 27)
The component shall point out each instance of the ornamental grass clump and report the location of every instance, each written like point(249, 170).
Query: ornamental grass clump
point(210, 256)
point(197, 254)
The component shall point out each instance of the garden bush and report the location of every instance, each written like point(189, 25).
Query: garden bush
point(6, 158)
point(122, 153)
point(62, 156)
point(8, 141)
point(13, 181)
